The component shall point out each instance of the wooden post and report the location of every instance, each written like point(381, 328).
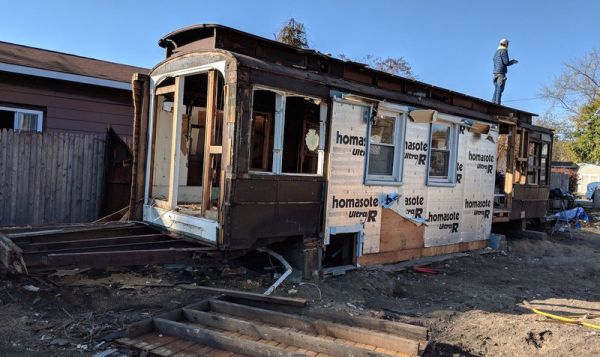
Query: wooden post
point(211, 114)
point(509, 178)
point(176, 143)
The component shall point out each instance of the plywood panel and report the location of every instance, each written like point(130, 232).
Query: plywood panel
point(398, 233)
point(456, 213)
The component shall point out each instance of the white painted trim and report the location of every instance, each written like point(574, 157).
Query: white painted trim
point(219, 66)
point(178, 222)
point(454, 125)
point(278, 130)
point(176, 142)
point(322, 133)
point(401, 117)
point(154, 81)
point(70, 77)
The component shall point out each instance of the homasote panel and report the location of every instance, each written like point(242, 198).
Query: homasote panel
point(456, 213)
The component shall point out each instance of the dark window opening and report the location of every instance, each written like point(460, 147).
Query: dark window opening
point(341, 250)
point(7, 119)
point(193, 125)
point(301, 136)
point(263, 130)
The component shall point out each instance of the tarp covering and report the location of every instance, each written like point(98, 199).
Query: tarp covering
point(574, 214)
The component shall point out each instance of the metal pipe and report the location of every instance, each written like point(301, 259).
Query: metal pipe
point(283, 262)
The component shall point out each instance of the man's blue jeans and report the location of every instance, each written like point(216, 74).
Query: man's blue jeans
point(499, 82)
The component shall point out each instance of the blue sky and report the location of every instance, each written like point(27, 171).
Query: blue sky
point(448, 43)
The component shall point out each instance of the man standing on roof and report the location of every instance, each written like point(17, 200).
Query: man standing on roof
point(501, 63)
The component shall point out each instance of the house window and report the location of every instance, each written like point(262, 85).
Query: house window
point(442, 154)
point(21, 119)
point(386, 136)
point(286, 133)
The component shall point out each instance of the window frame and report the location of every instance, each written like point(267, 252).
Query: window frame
point(40, 113)
point(449, 181)
point(279, 130)
point(400, 113)
point(536, 167)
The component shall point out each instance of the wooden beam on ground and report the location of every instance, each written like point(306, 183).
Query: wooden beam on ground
point(95, 231)
point(115, 216)
point(415, 332)
point(247, 295)
point(124, 258)
point(322, 327)
point(220, 340)
point(11, 256)
point(145, 326)
point(288, 337)
point(94, 242)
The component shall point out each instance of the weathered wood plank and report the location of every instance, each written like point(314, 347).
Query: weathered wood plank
point(51, 177)
point(287, 337)
point(3, 175)
point(335, 330)
point(14, 177)
point(220, 340)
point(11, 255)
point(248, 295)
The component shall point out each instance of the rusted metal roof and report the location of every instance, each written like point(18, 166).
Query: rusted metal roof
point(32, 57)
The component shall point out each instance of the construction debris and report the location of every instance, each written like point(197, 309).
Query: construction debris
point(238, 323)
point(93, 245)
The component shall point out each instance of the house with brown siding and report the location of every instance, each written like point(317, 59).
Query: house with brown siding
point(43, 90)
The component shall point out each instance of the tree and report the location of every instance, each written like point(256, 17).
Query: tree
point(293, 33)
point(562, 148)
point(586, 145)
point(574, 97)
point(578, 85)
point(398, 66)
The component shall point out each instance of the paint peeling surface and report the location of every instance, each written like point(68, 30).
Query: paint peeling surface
point(460, 211)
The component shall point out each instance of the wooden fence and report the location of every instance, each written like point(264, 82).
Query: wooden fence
point(54, 177)
point(559, 180)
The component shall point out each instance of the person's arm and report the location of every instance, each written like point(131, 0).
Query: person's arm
point(506, 61)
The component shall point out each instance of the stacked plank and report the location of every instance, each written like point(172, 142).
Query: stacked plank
point(23, 249)
point(239, 327)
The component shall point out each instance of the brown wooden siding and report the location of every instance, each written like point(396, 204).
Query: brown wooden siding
point(70, 106)
point(277, 206)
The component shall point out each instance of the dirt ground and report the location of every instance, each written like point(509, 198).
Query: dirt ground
point(472, 306)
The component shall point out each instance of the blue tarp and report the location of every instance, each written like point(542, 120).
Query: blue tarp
point(576, 213)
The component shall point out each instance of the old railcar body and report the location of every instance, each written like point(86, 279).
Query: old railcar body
point(242, 141)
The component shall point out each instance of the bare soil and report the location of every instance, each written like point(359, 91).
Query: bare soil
point(472, 306)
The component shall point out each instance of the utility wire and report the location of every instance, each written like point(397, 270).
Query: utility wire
point(523, 99)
